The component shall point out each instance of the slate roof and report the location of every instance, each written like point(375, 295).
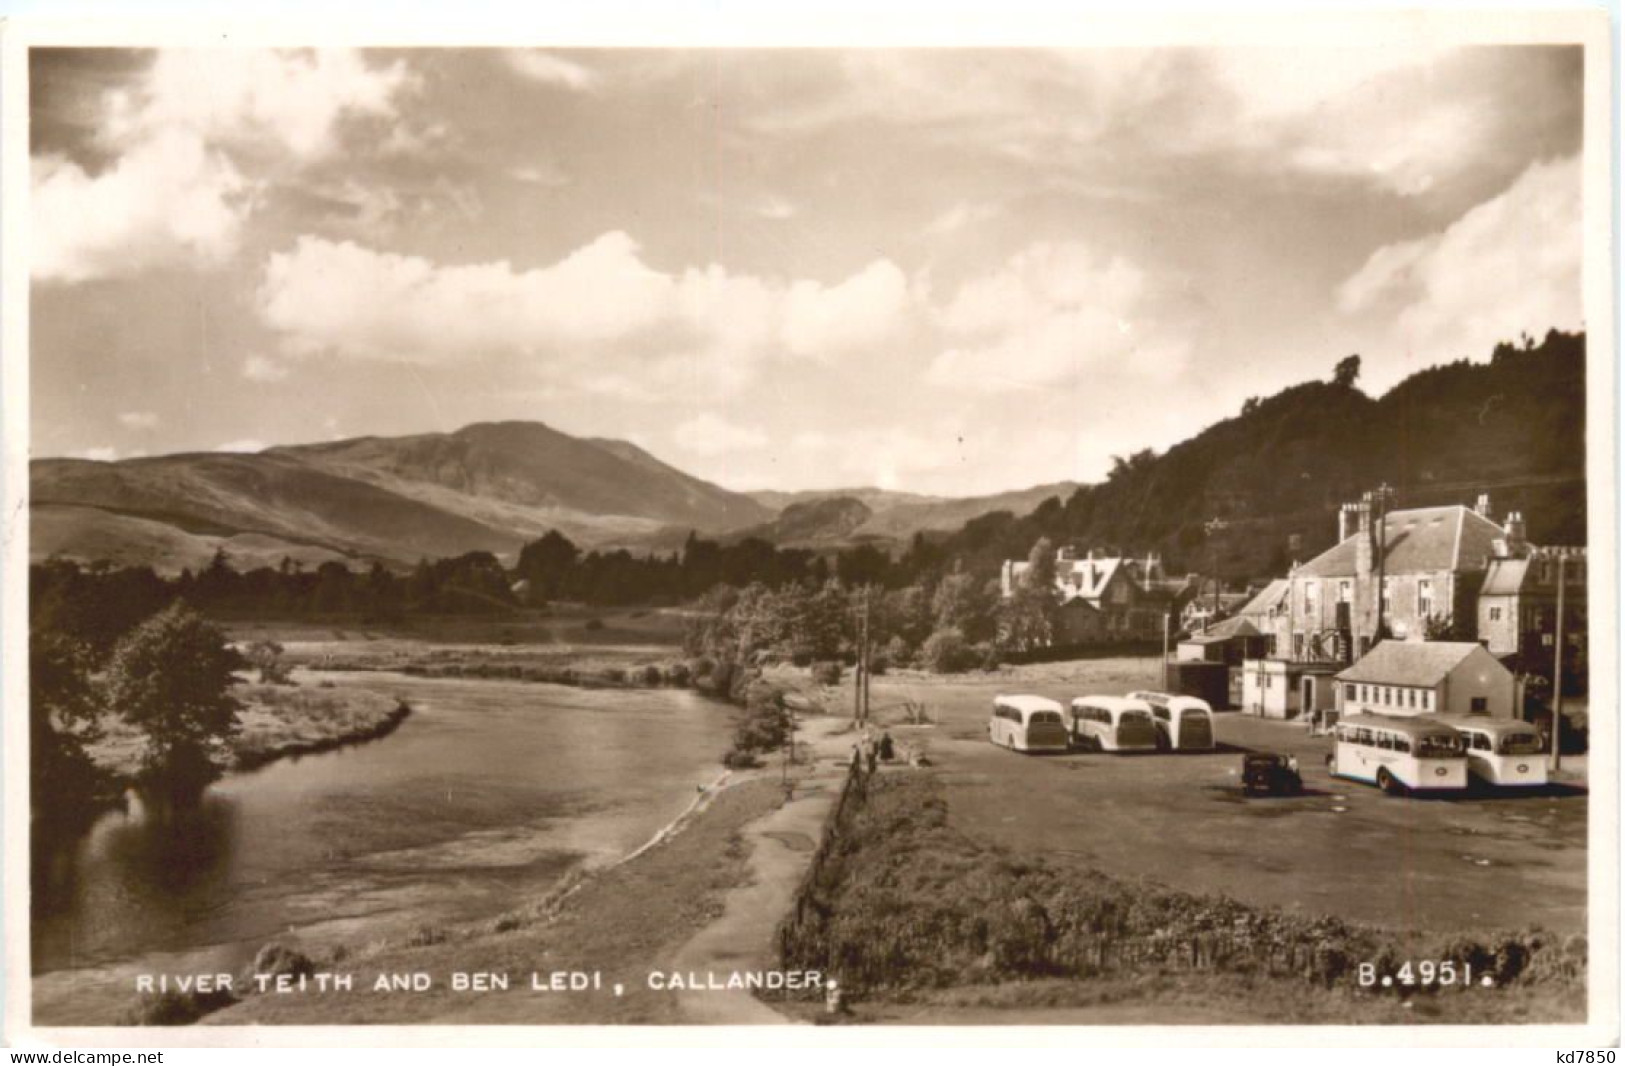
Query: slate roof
point(1505, 577)
point(1238, 626)
point(1269, 598)
point(1420, 540)
point(1409, 662)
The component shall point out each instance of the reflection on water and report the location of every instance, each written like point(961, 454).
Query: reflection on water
point(484, 797)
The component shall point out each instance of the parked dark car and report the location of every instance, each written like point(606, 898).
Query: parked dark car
point(1265, 774)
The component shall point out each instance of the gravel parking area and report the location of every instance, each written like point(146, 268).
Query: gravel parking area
point(1467, 863)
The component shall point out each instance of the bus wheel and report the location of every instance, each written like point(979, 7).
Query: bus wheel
point(1386, 782)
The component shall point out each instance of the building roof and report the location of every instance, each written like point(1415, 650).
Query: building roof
point(1230, 628)
point(1087, 578)
point(1419, 540)
point(1408, 662)
point(1268, 599)
point(1505, 577)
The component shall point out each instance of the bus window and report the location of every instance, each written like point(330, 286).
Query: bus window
point(1520, 744)
point(1437, 747)
point(1402, 744)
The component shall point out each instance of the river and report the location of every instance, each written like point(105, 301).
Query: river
point(483, 799)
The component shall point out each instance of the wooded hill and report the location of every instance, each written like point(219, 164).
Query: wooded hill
point(1277, 472)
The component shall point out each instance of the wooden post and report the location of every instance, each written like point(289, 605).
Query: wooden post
point(1557, 672)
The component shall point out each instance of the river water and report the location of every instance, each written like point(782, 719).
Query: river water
point(483, 798)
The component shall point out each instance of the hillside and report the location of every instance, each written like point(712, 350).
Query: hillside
point(487, 487)
point(815, 523)
point(1277, 472)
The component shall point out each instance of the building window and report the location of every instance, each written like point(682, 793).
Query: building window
point(1345, 592)
point(1424, 598)
point(1427, 701)
point(1481, 705)
point(1311, 599)
point(1349, 692)
point(1387, 595)
point(1495, 614)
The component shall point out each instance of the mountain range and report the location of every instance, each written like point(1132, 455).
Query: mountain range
point(488, 486)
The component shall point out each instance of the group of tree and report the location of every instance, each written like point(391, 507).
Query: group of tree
point(168, 677)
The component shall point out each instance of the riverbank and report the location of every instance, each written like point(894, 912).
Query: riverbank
point(276, 721)
point(626, 926)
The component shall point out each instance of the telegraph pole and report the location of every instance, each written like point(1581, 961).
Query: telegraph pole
point(1379, 533)
point(1557, 672)
point(1212, 528)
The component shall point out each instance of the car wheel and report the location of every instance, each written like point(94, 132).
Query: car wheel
point(1386, 782)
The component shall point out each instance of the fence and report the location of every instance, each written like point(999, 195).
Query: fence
point(810, 903)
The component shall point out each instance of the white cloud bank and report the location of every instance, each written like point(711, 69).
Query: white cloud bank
point(1053, 315)
point(600, 300)
point(173, 195)
point(710, 435)
point(1509, 265)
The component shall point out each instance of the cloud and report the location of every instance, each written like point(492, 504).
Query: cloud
point(549, 69)
point(961, 216)
point(259, 368)
point(1509, 265)
point(138, 420)
point(173, 194)
point(602, 300)
point(862, 312)
point(256, 97)
point(169, 201)
point(885, 457)
point(1057, 314)
point(544, 173)
point(709, 435)
point(242, 446)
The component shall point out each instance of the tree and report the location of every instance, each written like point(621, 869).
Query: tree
point(266, 657)
point(171, 678)
point(962, 603)
point(1347, 372)
point(547, 564)
point(64, 783)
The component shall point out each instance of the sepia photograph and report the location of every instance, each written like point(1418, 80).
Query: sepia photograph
point(1110, 533)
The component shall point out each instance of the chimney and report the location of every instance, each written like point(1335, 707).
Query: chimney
point(1354, 518)
point(1363, 548)
point(1483, 505)
point(1517, 539)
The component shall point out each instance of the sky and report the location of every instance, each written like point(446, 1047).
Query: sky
point(941, 271)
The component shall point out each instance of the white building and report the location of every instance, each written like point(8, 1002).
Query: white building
point(1427, 677)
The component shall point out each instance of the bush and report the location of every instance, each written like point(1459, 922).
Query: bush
point(677, 675)
point(827, 673)
point(740, 760)
point(947, 652)
point(274, 960)
point(898, 652)
point(986, 655)
point(594, 625)
point(878, 664)
point(651, 676)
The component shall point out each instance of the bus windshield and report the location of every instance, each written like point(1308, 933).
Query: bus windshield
point(1044, 718)
point(1437, 746)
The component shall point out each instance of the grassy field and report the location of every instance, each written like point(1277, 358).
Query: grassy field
point(275, 721)
point(586, 639)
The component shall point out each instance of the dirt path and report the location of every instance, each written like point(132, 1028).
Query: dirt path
point(780, 847)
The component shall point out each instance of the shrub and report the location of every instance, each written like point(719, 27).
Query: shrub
point(651, 676)
point(947, 652)
point(594, 625)
point(701, 666)
point(677, 675)
point(986, 655)
point(878, 664)
point(176, 1008)
point(898, 652)
point(740, 760)
point(274, 960)
point(827, 673)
